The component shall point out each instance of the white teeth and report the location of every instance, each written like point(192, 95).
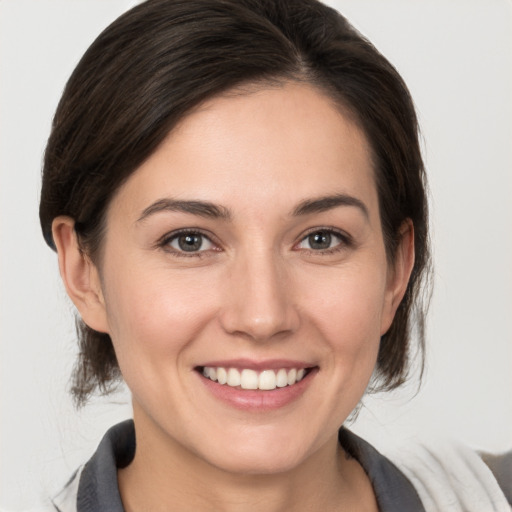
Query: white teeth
point(222, 375)
point(281, 378)
point(267, 380)
point(210, 373)
point(233, 377)
point(249, 379)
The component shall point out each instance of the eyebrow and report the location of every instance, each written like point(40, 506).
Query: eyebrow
point(200, 208)
point(213, 211)
point(325, 203)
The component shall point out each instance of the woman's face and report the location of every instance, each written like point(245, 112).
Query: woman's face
point(249, 247)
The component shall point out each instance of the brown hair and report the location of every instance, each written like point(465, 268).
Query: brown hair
point(161, 59)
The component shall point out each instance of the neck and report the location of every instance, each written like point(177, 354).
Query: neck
point(327, 480)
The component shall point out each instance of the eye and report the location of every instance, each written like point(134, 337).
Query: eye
point(322, 240)
point(189, 242)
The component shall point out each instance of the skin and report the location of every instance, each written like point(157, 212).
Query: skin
point(257, 289)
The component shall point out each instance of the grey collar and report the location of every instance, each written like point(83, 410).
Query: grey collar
point(98, 490)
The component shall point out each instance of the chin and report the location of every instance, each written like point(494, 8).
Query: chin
point(254, 453)
point(249, 463)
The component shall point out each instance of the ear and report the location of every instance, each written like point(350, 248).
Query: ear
point(399, 272)
point(80, 275)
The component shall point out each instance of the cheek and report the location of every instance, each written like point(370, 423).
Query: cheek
point(154, 313)
point(351, 300)
point(347, 311)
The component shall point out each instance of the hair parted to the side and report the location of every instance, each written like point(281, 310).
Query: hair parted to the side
point(163, 58)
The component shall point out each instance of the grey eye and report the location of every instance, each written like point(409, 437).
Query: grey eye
point(320, 241)
point(190, 242)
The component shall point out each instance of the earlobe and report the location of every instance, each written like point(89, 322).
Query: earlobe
point(400, 272)
point(80, 275)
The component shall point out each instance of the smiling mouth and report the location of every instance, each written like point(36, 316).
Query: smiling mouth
point(265, 380)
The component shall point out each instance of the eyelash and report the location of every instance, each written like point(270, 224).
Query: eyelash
point(165, 243)
point(346, 241)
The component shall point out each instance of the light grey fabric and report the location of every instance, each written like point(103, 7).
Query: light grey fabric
point(65, 501)
point(450, 477)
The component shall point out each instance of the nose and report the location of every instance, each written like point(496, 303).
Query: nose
point(259, 301)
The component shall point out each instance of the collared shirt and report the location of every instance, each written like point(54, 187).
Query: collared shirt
point(94, 487)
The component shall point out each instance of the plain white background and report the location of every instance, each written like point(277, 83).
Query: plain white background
point(456, 57)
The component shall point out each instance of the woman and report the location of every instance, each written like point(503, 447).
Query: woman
point(236, 194)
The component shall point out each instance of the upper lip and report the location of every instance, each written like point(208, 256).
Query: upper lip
point(269, 364)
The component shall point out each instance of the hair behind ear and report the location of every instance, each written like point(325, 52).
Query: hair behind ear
point(96, 366)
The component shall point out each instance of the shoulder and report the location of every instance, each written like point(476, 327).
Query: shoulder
point(449, 476)
point(48, 507)
point(66, 500)
point(94, 486)
point(45, 507)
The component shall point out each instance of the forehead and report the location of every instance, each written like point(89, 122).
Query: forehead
point(266, 146)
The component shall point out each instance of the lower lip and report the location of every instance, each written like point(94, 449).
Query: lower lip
point(258, 400)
